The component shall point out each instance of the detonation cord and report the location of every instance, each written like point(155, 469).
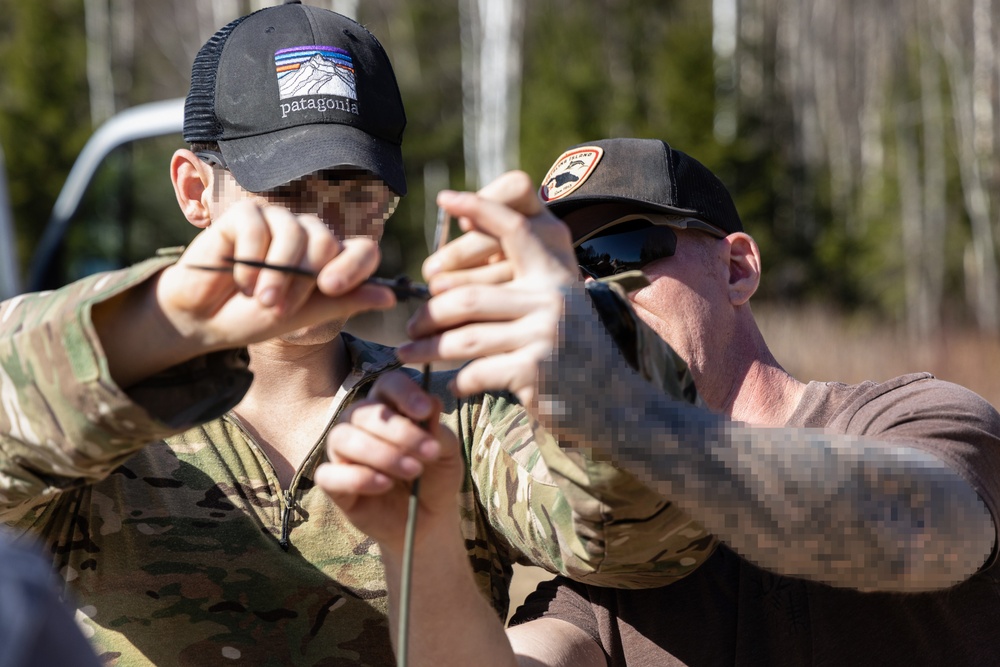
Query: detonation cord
point(441, 234)
point(402, 641)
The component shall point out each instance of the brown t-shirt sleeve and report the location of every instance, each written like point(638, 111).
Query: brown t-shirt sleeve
point(570, 601)
point(560, 598)
point(946, 420)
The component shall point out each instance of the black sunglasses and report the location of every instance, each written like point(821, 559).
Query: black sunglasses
point(632, 241)
point(213, 158)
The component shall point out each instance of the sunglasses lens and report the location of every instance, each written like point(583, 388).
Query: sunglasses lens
point(625, 247)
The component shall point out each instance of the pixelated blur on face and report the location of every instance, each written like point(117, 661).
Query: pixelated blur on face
point(350, 202)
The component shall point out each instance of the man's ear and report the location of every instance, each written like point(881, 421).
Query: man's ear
point(192, 181)
point(744, 267)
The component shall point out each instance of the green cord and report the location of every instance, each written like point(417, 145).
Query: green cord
point(403, 636)
point(442, 232)
point(404, 596)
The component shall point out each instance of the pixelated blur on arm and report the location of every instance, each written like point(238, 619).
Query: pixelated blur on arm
point(568, 514)
point(847, 511)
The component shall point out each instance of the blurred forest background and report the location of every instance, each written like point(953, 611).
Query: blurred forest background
point(861, 140)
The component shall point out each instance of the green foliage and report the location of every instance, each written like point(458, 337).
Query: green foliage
point(565, 92)
point(422, 40)
point(43, 105)
point(591, 69)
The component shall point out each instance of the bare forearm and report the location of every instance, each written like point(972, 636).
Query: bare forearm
point(450, 622)
point(137, 339)
point(828, 507)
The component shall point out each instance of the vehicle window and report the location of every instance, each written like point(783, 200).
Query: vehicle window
point(126, 214)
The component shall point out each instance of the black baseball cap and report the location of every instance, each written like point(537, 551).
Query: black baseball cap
point(293, 89)
point(637, 175)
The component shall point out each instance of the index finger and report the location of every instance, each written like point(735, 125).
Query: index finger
point(397, 390)
point(540, 242)
point(513, 189)
point(469, 250)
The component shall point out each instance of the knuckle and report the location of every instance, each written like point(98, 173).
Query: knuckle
point(521, 181)
point(467, 298)
point(400, 435)
point(344, 444)
point(323, 242)
point(358, 406)
point(520, 224)
point(390, 385)
point(466, 343)
point(361, 251)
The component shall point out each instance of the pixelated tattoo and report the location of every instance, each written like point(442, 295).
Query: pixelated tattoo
point(843, 510)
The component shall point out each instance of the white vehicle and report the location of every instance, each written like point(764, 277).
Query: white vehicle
point(116, 207)
point(10, 268)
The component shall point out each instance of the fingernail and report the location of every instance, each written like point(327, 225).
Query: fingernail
point(420, 404)
point(330, 284)
point(411, 330)
point(431, 267)
point(268, 297)
point(410, 466)
point(429, 449)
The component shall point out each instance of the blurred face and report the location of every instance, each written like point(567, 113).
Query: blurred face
point(351, 202)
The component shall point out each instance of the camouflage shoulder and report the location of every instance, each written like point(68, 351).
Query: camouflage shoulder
point(28, 309)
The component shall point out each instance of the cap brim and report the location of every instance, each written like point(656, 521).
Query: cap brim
point(611, 206)
point(569, 204)
point(266, 161)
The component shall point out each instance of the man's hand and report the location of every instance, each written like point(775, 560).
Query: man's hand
point(379, 449)
point(188, 311)
point(497, 289)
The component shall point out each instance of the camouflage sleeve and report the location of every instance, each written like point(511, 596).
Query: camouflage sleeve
point(64, 422)
point(574, 515)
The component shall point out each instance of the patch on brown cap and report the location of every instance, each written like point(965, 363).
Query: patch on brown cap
point(570, 171)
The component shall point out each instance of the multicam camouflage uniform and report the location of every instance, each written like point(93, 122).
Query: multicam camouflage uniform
point(187, 551)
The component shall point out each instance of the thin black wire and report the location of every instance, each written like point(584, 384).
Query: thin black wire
point(402, 287)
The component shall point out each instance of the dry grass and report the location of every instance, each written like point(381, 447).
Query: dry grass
point(818, 344)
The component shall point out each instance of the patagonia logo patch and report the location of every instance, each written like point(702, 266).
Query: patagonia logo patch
point(570, 171)
point(324, 75)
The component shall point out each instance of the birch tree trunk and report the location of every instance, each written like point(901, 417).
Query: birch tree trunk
point(968, 111)
point(468, 19)
point(123, 52)
point(924, 312)
point(725, 31)
point(920, 167)
point(99, 77)
point(348, 8)
point(492, 34)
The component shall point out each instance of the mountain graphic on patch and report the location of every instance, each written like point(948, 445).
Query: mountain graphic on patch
point(315, 70)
